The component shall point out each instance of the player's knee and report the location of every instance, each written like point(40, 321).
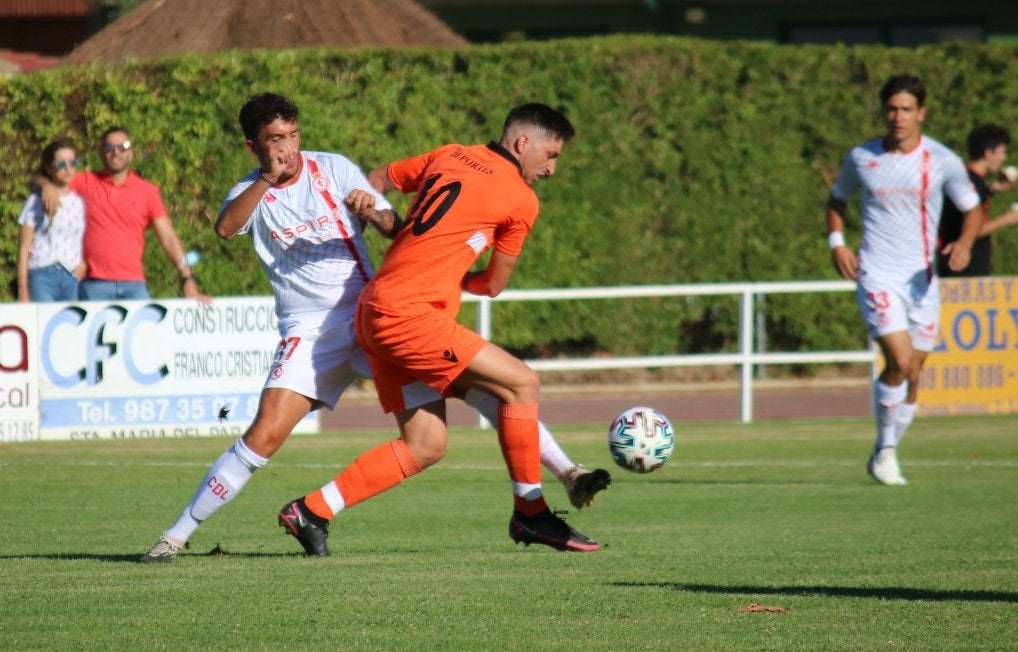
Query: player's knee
point(529, 386)
point(264, 440)
point(535, 379)
point(897, 367)
point(429, 453)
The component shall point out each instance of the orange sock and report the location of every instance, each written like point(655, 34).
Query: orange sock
point(374, 471)
point(519, 439)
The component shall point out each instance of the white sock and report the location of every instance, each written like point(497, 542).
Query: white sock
point(887, 401)
point(224, 480)
point(552, 456)
point(334, 499)
point(903, 418)
point(526, 491)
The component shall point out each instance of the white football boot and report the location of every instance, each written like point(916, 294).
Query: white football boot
point(582, 484)
point(883, 466)
point(163, 552)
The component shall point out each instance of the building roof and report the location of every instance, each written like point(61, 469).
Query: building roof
point(165, 27)
point(41, 8)
point(12, 62)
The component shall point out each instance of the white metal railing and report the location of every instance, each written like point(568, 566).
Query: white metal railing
point(747, 359)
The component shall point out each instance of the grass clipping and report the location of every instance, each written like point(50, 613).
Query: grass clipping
point(757, 608)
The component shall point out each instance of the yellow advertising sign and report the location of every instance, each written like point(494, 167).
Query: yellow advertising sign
point(974, 369)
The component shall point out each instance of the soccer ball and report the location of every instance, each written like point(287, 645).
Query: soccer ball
point(641, 439)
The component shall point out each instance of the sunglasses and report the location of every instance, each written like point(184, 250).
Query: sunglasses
point(122, 147)
point(63, 165)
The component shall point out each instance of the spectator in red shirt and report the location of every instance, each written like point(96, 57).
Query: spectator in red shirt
point(119, 207)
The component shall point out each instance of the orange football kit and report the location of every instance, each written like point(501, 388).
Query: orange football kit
point(467, 200)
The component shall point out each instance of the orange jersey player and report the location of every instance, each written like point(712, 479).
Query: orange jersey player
point(468, 199)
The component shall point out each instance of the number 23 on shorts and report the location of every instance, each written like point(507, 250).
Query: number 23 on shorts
point(878, 300)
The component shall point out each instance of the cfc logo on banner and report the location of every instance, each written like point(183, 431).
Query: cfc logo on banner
point(107, 336)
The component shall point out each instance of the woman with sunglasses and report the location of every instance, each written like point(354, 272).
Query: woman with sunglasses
point(49, 255)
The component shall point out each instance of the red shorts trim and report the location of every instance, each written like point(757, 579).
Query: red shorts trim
point(406, 352)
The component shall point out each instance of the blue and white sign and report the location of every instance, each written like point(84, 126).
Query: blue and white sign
point(158, 368)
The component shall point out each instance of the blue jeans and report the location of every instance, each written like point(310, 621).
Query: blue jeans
point(52, 283)
point(93, 289)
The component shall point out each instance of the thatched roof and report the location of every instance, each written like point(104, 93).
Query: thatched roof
point(163, 27)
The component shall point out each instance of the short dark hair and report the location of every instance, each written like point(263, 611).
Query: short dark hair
point(543, 116)
point(264, 108)
point(50, 151)
point(904, 84)
point(986, 137)
point(114, 130)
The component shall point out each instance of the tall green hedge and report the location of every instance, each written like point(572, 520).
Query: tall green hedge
point(695, 161)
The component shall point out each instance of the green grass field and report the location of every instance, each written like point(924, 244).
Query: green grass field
point(778, 513)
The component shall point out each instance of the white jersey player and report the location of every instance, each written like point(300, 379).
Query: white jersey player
point(306, 240)
point(299, 208)
point(312, 251)
point(902, 178)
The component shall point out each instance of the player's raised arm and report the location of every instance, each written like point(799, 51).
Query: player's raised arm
point(277, 148)
point(236, 213)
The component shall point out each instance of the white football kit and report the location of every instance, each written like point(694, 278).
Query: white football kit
point(902, 195)
point(313, 252)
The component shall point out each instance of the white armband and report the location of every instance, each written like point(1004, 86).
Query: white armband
point(835, 239)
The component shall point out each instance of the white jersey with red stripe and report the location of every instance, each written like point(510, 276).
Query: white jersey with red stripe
point(311, 247)
point(902, 195)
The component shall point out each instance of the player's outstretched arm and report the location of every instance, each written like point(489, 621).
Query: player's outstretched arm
point(1003, 220)
point(380, 181)
point(362, 204)
point(387, 222)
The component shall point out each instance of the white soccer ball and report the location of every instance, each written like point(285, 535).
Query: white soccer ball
point(641, 439)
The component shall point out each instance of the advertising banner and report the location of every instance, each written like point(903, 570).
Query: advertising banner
point(19, 373)
point(158, 368)
point(974, 368)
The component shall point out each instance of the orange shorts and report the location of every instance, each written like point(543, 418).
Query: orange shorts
point(414, 360)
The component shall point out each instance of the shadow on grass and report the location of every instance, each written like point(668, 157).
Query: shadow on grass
point(134, 557)
point(745, 482)
point(883, 593)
